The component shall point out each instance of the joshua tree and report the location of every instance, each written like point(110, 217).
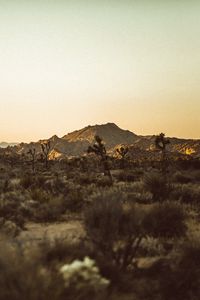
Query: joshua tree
point(45, 150)
point(99, 149)
point(161, 142)
point(11, 156)
point(122, 151)
point(32, 153)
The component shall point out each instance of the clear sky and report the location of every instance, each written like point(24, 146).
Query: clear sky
point(67, 64)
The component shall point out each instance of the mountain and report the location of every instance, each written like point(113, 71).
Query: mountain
point(5, 144)
point(112, 135)
point(77, 142)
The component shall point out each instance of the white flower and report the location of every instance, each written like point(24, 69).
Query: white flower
point(83, 274)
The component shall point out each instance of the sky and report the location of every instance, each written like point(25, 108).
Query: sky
point(68, 64)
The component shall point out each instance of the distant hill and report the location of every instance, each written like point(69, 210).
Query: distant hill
point(5, 144)
point(77, 142)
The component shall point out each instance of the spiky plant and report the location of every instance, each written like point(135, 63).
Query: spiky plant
point(45, 150)
point(122, 151)
point(161, 143)
point(32, 153)
point(99, 149)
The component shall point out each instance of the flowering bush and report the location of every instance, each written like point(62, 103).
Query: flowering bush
point(83, 277)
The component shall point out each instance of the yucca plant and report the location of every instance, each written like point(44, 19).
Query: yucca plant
point(122, 152)
point(161, 142)
point(32, 153)
point(45, 150)
point(100, 150)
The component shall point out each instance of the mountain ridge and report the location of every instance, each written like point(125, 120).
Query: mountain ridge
point(76, 142)
point(7, 144)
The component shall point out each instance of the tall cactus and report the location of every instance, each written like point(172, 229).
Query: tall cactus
point(161, 142)
point(32, 153)
point(99, 149)
point(122, 151)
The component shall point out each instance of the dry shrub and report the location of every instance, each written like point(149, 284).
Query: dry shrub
point(117, 230)
point(49, 211)
point(182, 280)
point(156, 184)
point(179, 177)
point(189, 194)
point(166, 220)
point(11, 207)
point(23, 277)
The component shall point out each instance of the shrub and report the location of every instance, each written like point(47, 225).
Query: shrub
point(182, 178)
point(11, 208)
point(158, 186)
point(188, 194)
point(59, 250)
point(50, 211)
point(55, 186)
point(40, 181)
point(126, 176)
point(74, 200)
point(83, 279)
point(105, 212)
point(104, 182)
point(26, 181)
point(39, 195)
point(22, 277)
point(196, 175)
point(86, 179)
point(182, 280)
point(117, 232)
point(166, 220)
point(5, 185)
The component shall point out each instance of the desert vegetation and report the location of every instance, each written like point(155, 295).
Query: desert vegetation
point(130, 227)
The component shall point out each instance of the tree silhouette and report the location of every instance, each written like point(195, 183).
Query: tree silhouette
point(45, 150)
point(99, 149)
point(122, 151)
point(32, 153)
point(161, 142)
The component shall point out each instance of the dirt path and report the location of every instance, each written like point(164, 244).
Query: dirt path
point(70, 231)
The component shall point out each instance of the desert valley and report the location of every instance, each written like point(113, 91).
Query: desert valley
point(101, 213)
point(99, 150)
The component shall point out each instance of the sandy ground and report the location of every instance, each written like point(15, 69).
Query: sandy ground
point(70, 231)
